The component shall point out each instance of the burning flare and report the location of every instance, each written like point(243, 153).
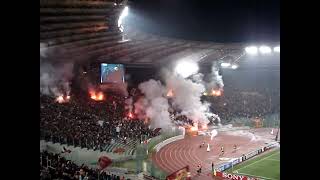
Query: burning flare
point(170, 93)
point(63, 99)
point(97, 96)
point(130, 115)
point(194, 127)
point(215, 92)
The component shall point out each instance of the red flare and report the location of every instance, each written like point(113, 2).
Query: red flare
point(60, 99)
point(130, 115)
point(96, 96)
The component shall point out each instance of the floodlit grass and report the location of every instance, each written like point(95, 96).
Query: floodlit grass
point(266, 166)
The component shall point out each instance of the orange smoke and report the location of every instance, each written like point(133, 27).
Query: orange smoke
point(170, 93)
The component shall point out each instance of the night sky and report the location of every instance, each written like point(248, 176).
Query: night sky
point(220, 21)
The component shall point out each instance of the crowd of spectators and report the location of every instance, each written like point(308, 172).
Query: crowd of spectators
point(249, 104)
point(55, 167)
point(93, 125)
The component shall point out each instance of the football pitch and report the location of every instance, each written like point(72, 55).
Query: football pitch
point(266, 166)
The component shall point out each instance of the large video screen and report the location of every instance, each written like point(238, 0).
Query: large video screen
point(112, 73)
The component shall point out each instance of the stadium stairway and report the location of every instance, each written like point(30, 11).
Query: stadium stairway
point(129, 147)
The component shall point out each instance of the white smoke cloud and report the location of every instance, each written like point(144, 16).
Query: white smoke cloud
point(140, 107)
point(155, 105)
point(54, 79)
point(215, 80)
point(187, 97)
point(158, 113)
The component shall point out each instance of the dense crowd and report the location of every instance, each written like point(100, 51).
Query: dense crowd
point(93, 125)
point(249, 104)
point(53, 166)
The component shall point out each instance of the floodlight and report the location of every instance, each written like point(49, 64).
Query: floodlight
point(265, 49)
point(276, 49)
point(225, 64)
point(234, 66)
point(124, 13)
point(251, 50)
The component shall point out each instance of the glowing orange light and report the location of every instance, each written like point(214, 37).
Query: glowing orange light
point(100, 96)
point(170, 93)
point(218, 93)
point(96, 96)
point(215, 92)
point(194, 128)
point(204, 126)
point(130, 115)
point(60, 99)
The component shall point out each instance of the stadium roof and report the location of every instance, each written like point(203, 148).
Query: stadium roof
point(87, 30)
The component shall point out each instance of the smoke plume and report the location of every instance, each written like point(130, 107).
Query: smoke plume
point(54, 77)
point(185, 94)
point(155, 105)
point(187, 97)
point(215, 80)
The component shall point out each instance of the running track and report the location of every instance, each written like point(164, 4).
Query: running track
point(185, 152)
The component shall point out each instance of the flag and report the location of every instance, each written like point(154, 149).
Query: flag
point(104, 162)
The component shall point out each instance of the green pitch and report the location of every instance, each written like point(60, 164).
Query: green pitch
point(266, 166)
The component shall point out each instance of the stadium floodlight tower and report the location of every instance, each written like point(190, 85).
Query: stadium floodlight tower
point(123, 14)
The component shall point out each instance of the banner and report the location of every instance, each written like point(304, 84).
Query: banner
point(104, 162)
point(251, 154)
point(232, 176)
point(181, 174)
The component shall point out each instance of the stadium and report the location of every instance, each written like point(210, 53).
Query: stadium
point(118, 102)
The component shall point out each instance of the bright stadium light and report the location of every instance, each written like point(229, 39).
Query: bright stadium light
point(186, 68)
point(276, 49)
point(234, 66)
point(124, 13)
point(251, 50)
point(225, 64)
point(264, 49)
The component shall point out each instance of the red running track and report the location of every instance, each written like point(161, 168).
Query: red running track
point(184, 152)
